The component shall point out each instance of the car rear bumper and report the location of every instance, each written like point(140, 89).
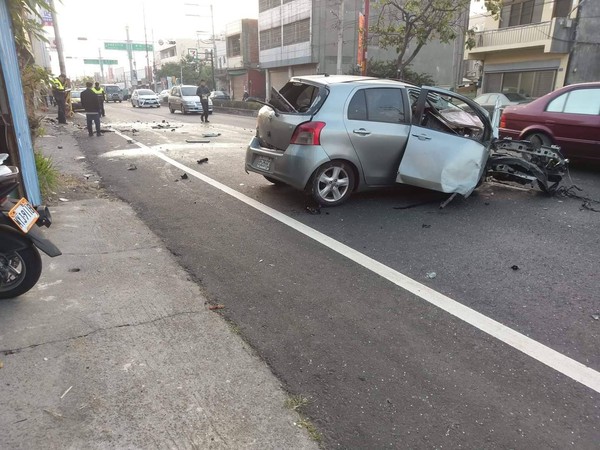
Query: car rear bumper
point(294, 166)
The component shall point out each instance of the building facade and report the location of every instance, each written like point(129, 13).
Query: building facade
point(533, 47)
point(243, 71)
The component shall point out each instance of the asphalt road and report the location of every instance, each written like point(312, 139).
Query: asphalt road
point(381, 365)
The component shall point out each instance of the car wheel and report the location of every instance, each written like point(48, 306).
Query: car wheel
point(538, 139)
point(183, 110)
point(274, 181)
point(332, 183)
point(171, 110)
point(119, 101)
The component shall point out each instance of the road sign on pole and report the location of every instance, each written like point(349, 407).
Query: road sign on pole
point(111, 62)
point(123, 46)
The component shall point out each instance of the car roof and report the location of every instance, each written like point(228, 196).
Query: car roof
point(337, 79)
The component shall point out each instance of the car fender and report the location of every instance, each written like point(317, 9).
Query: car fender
point(536, 128)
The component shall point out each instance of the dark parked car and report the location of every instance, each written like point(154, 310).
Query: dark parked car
point(568, 117)
point(219, 95)
point(332, 135)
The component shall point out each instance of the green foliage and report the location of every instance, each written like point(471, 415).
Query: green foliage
point(408, 25)
point(47, 174)
point(193, 70)
point(389, 69)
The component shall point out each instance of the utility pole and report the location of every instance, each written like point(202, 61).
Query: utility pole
point(58, 40)
point(340, 43)
point(132, 74)
point(148, 70)
point(101, 65)
point(214, 50)
point(363, 70)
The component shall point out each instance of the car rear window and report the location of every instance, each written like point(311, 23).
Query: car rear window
point(303, 97)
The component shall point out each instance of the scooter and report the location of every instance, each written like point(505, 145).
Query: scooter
point(20, 261)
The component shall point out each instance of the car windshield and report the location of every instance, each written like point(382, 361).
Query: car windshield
point(111, 89)
point(188, 91)
point(145, 92)
point(514, 97)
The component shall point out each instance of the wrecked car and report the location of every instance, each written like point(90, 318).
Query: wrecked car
point(334, 135)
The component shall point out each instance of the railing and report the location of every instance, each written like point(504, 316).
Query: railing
point(522, 34)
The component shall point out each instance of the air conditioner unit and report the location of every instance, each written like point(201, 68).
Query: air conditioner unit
point(478, 27)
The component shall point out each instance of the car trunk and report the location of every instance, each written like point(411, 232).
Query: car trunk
point(294, 104)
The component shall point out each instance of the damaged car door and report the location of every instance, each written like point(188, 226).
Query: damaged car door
point(448, 145)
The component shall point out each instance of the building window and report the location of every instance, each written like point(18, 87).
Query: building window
point(270, 38)
point(264, 5)
point(233, 46)
point(562, 8)
point(532, 83)
point(296, 32)
point(518, 12)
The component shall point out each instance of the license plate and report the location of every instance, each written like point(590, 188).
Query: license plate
point(263, 162)
point(23, 215)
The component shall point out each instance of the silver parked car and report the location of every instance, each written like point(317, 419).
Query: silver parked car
point(184, 99)
point(333, 135)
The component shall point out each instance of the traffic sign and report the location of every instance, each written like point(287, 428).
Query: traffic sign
point(123, 46)
point(108, 62)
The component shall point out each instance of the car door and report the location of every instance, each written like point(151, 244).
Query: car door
point(175, 98)
point(448, 146)
point(377, 123)
point(574, 119)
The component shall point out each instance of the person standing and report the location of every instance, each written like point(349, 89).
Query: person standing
point(203, 92)
point(99, 91)
point(89, 101)
point(60, 96)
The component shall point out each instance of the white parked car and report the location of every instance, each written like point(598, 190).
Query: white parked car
point(144, 98)
point(164, 96)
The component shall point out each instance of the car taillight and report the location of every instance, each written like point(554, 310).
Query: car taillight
point(308, 133)
point(503, 121)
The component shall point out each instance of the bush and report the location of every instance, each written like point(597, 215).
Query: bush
point(47, 174)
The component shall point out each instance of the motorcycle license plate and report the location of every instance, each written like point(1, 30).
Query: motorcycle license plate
point(23, 215)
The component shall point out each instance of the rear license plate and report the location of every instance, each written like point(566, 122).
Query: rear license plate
point(263, 162)
point(23, 215)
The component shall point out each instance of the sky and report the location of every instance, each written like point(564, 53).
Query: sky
point(102, 21)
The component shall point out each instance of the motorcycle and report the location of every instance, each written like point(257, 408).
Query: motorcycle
point(20, 260)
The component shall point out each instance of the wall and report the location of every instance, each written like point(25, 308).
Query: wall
point(584, 64)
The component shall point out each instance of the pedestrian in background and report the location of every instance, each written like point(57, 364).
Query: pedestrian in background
point(203, 92)
point(59, 92)
point(89, 101)
point(99, 91)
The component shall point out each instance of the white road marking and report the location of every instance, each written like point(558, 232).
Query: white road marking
point(559, 362)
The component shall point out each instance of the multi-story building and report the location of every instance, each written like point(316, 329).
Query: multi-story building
point(243, 72)
point(537, 46)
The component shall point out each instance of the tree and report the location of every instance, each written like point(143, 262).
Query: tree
point(389, 69)
point(192, 69)
point(408, 25)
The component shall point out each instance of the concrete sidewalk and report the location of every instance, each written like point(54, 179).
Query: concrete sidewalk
point(115, 347)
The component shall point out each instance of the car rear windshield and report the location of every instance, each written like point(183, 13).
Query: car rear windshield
point(302, 97)
point(145, 92)
point(188, 91)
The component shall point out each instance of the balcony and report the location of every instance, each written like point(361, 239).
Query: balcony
point(552, 36)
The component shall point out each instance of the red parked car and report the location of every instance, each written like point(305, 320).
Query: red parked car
point(568, 117)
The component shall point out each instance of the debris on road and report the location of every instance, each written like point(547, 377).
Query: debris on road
point(314, 210)
point(431, 275)
point(53, 414)
point(202, 161)
point(75, 269)
point(132, 167)
point(63, 199)
point(515, 267)
point(60, 147)
point(596, 316)
point(66, 392)
point(199, 141)
point(215, 307)
point(184, 176)
point(425, 225)
point(211, 134)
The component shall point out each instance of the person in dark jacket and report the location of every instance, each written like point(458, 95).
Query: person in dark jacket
point(89, 101)
point(203, 92)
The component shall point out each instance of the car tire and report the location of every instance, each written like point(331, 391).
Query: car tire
point(119, 101)
point(538, 139)
point(274, 181)
point(171, 110)
point(183, 110)
point(132, 104)
point(332, 183)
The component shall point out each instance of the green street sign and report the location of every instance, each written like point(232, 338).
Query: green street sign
point(108, 62)
point(123, 46)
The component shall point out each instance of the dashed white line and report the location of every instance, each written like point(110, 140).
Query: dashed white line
point(559, 362)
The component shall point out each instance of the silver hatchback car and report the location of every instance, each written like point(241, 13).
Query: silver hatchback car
point(333, 135)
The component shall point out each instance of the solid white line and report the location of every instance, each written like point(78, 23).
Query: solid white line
point(559, 362)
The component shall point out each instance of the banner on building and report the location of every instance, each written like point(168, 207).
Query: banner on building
point(46, 18)
point(360, 57)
